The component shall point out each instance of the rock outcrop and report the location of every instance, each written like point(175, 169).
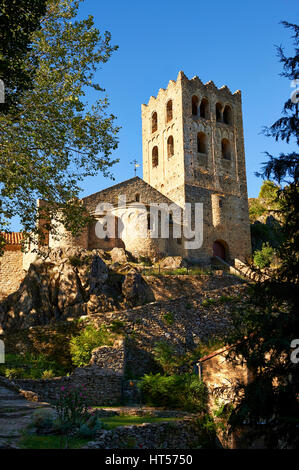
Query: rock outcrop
point(173, 262)
point(136, 291)
point(68, 283)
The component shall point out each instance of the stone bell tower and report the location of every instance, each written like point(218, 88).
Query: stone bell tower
point(193, 151)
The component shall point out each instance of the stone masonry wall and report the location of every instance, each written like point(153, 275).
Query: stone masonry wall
point(103, 378)
point(138, 194)
point(202, 173)
point(11, 271)
point(181, 434)
point(103, 389)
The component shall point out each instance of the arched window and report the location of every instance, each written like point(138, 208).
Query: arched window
point(194, 105)
point(226, 149)
point(154, 122)
point(155, 157)
point(227, 115)
point(219, 112)
point(137, 197)
point(169, 111)
point(201, 142)
point(170, 146)
point(204, 108)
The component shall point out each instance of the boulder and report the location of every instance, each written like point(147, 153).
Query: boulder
point(119, 255)
point(135, 290)
point(173, 262)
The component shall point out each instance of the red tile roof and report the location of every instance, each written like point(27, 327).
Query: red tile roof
point(13, 238)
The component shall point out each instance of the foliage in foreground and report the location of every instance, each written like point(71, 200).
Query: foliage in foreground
point(184, 391)
point(266, 326)
point(56, 138)
point(264, 257)
point(81, 346)
point(30, 366)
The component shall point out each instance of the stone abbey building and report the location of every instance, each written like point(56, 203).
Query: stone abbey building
point(193, 152)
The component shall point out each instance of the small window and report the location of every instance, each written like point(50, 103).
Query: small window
point(137, 197)
point(155, 157)
point(148, 222)
point(170, 146)
point(154, 122)
point(194, 105)
point(107, 238)
point(179, 241)
point(219, 112)
point(226, 149)
point(169, 111)
point(227, 115)
point(203, 109)
point(201, 142)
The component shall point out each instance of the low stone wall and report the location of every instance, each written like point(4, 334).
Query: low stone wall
point(103, 388)
point(103, 378)
point(11, 271)
point(181, 434)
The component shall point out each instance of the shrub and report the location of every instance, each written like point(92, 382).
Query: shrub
point(13, 373)
point(179, 391)
point(166, 356)
point(48, 374)
point(89, 429)
point(43, 419)
point(207, 434)
point(168, 318)
point(81, 346)
point(72, 406)
point(160, 389)
point(263, 258)
point(145, 261)
point(117, 326)
point(76, 261)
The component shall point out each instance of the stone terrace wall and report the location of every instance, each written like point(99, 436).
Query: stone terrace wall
point(102, 388)
point(11, 271)
point(182, 323)
point(181, 434)
point(102, 378)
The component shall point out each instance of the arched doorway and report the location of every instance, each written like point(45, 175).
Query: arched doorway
point(220, 249)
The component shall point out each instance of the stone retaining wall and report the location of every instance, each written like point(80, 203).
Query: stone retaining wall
point(11, 271)
point(181, 434)
point(183, 323)
point(103, 388)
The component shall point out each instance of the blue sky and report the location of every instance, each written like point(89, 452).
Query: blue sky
point(231, 43)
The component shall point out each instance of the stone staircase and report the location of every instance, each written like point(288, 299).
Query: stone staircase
point(15, 414)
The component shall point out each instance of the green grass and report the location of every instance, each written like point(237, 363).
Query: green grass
point(112, 422)
point(33, 441)
point(30, 366)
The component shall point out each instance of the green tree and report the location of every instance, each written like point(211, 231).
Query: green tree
point(57, 138)
point(18, 20)
point(269, 322)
